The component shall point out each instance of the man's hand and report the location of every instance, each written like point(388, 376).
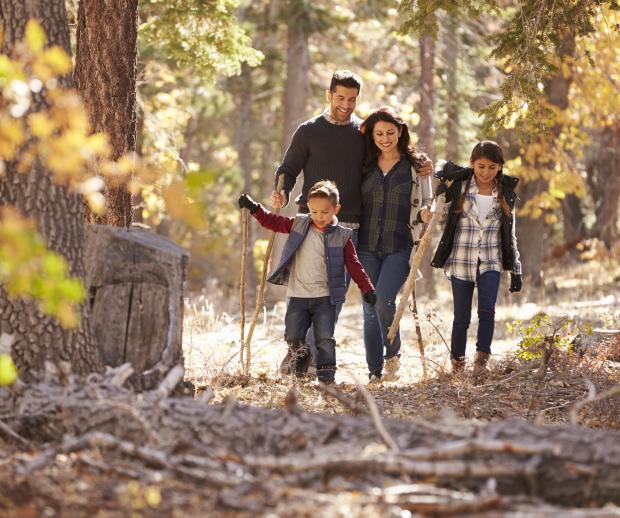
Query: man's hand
point(425, 168)
point(370, 297)
point(278, 200)
point(246, 202)
point(516, 283)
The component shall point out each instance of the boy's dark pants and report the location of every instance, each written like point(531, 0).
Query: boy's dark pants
point(319, 312)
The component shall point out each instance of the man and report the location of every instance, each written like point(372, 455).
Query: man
point(329, 147)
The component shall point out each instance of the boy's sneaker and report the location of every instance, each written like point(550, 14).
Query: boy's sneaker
point(286, 365)
point(390, 368)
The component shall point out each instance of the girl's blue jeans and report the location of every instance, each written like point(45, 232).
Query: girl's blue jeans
point(462, 292)
point(387, 273)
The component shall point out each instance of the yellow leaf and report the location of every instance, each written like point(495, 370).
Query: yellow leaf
point(97, 144)
point(35, 36)
point(96, 202)
point(8, 371)
point(58, 60)
point(152, 496)
point(41, 125)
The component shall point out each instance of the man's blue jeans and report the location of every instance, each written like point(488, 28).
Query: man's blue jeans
point(387, 273)
point(319, 312)
point(347, 280)
point(462, 292)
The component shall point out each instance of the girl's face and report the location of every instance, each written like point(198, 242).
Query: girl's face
point(385, 135)
point(485, 171)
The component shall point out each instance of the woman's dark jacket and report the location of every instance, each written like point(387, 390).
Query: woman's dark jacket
point(458, 176)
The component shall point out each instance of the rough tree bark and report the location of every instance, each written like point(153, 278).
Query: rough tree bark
point(105, 76)
point(451, 55)
point(604, 181)
point(36, 337)
point(426, 132)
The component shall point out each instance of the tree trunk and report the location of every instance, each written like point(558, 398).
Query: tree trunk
point(426, 134)
point(572, 216)
point(532, 250)
point(451, 53)
point(105, 76)
point(295, 100)
point(57, 212)
point(604, 167)
point(297, 86)
point(244, 137)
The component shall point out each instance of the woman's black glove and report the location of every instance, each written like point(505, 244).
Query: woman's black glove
point(370, 297)
point(516, 283)
point(246, 202)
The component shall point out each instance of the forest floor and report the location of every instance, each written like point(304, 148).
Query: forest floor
point(588, 295)
point(106, 479)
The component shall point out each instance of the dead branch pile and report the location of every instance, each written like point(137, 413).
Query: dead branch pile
point(254, 459)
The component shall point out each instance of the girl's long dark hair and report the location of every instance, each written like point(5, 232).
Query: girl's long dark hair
point(387, 114)
point(491, 151)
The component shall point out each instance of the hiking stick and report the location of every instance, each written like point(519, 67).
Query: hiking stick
point(244, 254)
point(415, 264)
point(418, 331)
point(261, 291)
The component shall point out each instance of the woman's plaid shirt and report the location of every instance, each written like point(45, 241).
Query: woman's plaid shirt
point(478, 240)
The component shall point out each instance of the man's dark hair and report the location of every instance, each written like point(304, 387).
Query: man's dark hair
point(347, 79)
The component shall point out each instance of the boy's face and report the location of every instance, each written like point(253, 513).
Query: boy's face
point(322, 211)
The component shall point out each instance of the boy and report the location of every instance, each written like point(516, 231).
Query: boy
point(312, 265)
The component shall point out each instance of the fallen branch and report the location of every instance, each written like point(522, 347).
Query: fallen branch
point(573, 413)
point(376, 418)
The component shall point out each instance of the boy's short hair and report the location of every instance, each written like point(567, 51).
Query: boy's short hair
point(326, 190)
point(347, 79)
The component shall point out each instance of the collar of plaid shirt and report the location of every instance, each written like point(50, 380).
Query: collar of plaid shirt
point(328, 117)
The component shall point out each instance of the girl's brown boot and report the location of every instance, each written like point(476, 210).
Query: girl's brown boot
point(480, 364)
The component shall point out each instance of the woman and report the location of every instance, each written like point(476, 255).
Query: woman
point(385, 238)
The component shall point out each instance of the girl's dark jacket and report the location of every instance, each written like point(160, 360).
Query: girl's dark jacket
point(458, 176)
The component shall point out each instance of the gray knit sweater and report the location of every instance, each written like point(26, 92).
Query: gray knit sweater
point(326, 151)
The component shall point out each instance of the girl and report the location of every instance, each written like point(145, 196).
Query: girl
point(477, 243)
point(385, 237)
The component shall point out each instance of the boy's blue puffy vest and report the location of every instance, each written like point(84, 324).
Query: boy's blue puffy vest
point(335, 238)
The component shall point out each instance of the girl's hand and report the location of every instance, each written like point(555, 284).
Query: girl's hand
point(426, 168)
point(426, 215)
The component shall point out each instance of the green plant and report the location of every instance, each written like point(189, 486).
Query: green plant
point(542, 335)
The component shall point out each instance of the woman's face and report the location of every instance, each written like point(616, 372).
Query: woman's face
point(385, 135)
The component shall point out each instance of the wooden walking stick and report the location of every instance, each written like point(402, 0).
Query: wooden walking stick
point(244, 255)
point(261, 291)
point(415, 264)
point(418, 331)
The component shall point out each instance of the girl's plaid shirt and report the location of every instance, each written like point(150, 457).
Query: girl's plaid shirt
point(478, 240)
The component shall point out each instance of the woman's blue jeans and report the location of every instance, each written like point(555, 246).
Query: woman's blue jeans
point(388, 273)
point(462, 292)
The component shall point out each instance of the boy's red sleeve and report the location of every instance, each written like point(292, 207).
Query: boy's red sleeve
point(355, 268)
point(273, 221)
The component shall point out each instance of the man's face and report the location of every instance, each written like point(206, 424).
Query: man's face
point(342, 102)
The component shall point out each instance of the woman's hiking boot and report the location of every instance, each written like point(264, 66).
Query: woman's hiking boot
point(374, 380)
point(390, 368)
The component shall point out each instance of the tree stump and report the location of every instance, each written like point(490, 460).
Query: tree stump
point(135, 281)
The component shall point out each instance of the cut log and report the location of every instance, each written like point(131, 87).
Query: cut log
point(135, 281)
point(567, 465)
